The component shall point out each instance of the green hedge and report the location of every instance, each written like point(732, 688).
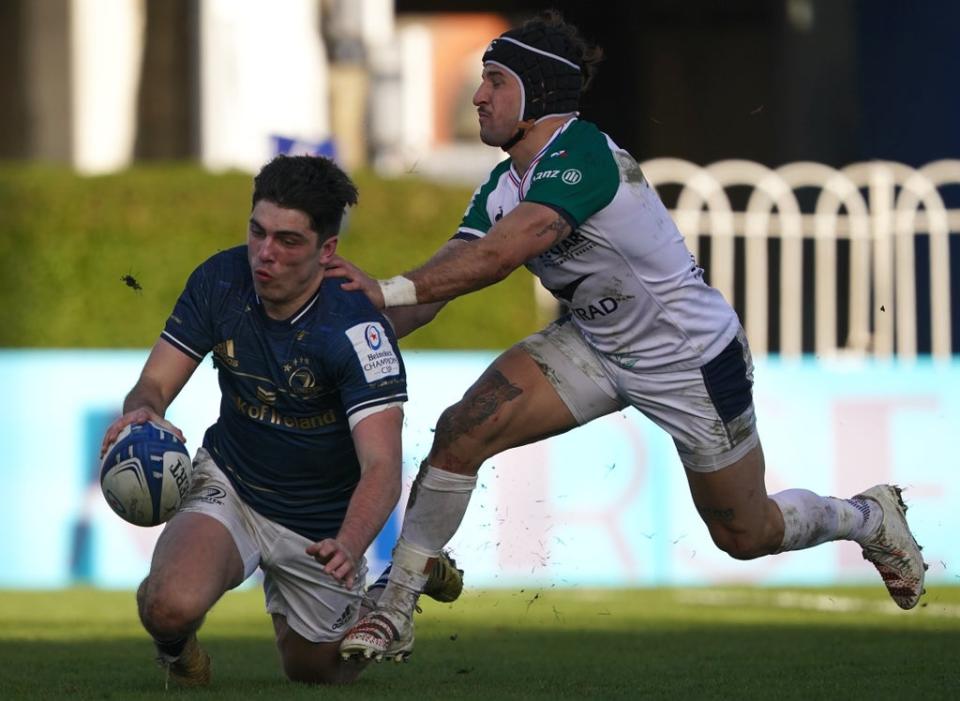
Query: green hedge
point(67, 242)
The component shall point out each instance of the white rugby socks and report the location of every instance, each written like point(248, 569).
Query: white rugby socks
point(810, 519)
point(437, 504)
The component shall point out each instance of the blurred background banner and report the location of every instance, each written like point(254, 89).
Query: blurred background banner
point(605, 505)
point(101, 84)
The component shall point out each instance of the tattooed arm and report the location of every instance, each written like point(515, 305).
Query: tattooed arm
point(527, 231)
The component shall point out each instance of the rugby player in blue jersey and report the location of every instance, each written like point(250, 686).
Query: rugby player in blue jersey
point(302, 468)
point(643, 330)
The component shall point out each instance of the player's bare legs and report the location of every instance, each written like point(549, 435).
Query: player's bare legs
point(512, 404)
point(743, 521)
point(194, 563)
point(746, 523)
point(312, 663)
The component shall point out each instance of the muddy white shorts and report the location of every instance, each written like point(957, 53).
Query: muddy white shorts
point(295, 586)
point(708, 410)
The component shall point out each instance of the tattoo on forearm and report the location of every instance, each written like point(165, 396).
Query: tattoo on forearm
point(492, 391)
point(721, 515)
point(556, 229)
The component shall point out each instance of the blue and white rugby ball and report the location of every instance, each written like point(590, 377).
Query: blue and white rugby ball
point(145, 474)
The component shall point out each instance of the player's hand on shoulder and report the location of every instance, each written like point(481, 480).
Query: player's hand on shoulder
point(337, 560)
point(355, 279)
point(137, 416)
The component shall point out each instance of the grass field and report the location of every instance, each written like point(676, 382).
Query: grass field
point(535, 644)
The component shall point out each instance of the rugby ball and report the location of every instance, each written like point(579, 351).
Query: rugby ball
point(145, 474)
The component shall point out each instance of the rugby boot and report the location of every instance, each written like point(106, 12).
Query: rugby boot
point(444, 585)
point(388, 633)
point(446, 580)
point(191, 668)
point(892, 548)
point(382, 634)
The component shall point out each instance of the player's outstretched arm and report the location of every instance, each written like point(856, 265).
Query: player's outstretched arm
point(524, 233)
point(406, 320)
point(403, 319)
point(410, 318)
point(378, 445)
point(163, 376)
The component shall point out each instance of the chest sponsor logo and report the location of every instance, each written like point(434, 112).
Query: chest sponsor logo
point(374, 351)
point(574, 245)
point(267, 414)
point(571, 176)
point(597, 308)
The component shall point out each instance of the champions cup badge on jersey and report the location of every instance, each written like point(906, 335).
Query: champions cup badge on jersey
point(374, 351)
point(374, 339)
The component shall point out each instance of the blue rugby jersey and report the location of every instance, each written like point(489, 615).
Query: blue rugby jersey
point(288, 389)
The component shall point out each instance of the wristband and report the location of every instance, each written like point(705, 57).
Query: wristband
point(398, 291)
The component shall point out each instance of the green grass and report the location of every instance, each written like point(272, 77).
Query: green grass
point(68, 240)
point(714, 643)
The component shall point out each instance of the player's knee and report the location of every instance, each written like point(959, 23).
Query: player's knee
point(167, 612)
point(740, 544)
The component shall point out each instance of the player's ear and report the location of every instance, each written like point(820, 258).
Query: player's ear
point(327, 249)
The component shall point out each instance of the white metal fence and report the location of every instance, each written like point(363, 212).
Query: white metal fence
point(878, 208)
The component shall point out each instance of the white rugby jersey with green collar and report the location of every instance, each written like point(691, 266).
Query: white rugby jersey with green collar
point(631, 285)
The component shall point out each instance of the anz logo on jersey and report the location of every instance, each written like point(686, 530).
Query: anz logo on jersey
point(570, 176)
point(544, 174)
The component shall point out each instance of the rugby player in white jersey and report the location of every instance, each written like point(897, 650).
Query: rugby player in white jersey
point(643, 330)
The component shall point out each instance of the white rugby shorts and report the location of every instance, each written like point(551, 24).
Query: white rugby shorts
point(708, 411)
point(295, 586)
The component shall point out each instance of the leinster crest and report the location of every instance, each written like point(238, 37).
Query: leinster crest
point(300, 378)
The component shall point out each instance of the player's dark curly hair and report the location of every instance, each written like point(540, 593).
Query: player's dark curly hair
point(312, 184)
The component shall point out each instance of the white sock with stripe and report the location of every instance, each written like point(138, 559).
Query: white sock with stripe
point(810, 519)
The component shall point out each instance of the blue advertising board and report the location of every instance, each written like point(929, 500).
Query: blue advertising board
point(603, 505)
